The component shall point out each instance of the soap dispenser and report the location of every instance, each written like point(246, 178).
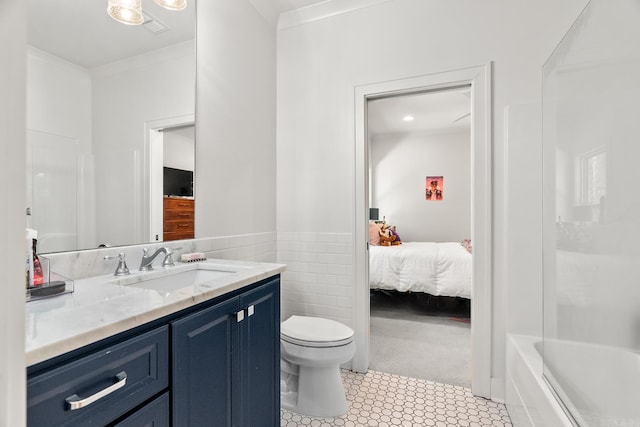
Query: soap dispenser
point(35, 275)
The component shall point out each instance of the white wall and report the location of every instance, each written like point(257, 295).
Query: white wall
point(321, 62)
point(524, 222)
point(179, 148)
point(13, 33)
point(399, 166)
point(235, 120)
point(126, 94)
point(58, 97)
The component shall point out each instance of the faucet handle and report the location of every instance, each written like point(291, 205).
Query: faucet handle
point(145, 262)
point(168, 258)
point(121, 269)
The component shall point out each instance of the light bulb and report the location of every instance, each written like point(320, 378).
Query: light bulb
point(126, 11)
point(172, 4)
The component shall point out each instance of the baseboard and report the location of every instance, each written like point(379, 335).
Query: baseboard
point(497, 390)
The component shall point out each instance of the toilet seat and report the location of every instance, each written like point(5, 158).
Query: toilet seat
point(316, 344)
point(315, 332)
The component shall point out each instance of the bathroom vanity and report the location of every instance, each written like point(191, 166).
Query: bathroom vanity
point(142, 351)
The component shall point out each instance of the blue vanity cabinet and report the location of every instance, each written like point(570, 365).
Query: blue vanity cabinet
point(204, 345)
point(213, 364)
point(153, 414)
point(260, 357)
point(226, 362)
point(97, 388)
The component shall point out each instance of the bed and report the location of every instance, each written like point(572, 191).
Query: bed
point(440, 269)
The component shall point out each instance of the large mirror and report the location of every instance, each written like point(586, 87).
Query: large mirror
point(110, 125)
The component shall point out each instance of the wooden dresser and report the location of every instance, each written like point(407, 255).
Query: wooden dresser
point(178, 219)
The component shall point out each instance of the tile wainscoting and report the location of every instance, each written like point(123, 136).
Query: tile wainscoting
point(319, 276)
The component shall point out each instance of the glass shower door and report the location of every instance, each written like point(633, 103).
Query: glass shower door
point(591, 216)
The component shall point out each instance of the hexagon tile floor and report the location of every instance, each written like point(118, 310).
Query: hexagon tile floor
point(378, 399)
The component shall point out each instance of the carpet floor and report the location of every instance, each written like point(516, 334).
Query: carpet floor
point(420, 336)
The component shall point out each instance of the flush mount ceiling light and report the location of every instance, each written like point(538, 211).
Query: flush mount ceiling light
point(126, 11)
point(408, 118)
point(172, 4)
point(130, 11)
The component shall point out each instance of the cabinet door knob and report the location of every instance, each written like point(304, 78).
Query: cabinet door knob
point(75, 402)
point(240, 316)
point(250, 310)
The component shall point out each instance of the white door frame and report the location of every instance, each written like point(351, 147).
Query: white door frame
point(479, 78)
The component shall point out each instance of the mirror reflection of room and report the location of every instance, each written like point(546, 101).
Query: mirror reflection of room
point(178, 192)
point(93, 98)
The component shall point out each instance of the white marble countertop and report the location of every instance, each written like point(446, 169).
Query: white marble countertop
point(100, 307)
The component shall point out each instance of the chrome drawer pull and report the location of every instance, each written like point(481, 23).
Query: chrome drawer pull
point(250, 311)
point(75, 402)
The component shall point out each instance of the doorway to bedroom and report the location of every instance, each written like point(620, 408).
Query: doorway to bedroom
point(419, 151)
point(478, 80)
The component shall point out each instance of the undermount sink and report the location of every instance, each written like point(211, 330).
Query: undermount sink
point(167, 280)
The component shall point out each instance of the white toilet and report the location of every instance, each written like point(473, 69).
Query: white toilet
point(312, 350)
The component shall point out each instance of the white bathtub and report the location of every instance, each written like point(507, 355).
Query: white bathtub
point(529, 399)
point(601, 383)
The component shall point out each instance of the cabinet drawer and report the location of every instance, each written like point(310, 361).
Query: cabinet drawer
point(178, 215)
point(153, 414)
point(104, 384)
point(179, 204)
point(167, 237)
point(178, 235)
point(178, 226)
point(177, 231)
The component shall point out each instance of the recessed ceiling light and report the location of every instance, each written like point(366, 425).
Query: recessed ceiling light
point(408, 118)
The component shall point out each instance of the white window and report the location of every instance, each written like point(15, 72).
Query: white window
point(591, 182)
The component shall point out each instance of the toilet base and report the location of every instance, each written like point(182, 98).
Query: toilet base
point(320, 393)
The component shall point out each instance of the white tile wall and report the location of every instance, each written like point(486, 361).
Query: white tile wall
point(319, 276)
point(259, 247)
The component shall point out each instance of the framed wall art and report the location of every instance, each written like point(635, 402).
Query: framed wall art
point(434, 188)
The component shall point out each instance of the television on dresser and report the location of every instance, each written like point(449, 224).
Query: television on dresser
point(178, 182)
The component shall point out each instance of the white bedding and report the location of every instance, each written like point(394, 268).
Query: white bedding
point(442, 269)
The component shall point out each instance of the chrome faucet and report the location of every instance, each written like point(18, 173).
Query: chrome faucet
point(147, 260)
point(122, 269)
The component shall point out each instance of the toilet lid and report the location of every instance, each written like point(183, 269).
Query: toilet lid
point(315, 329)
point(316, 344)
